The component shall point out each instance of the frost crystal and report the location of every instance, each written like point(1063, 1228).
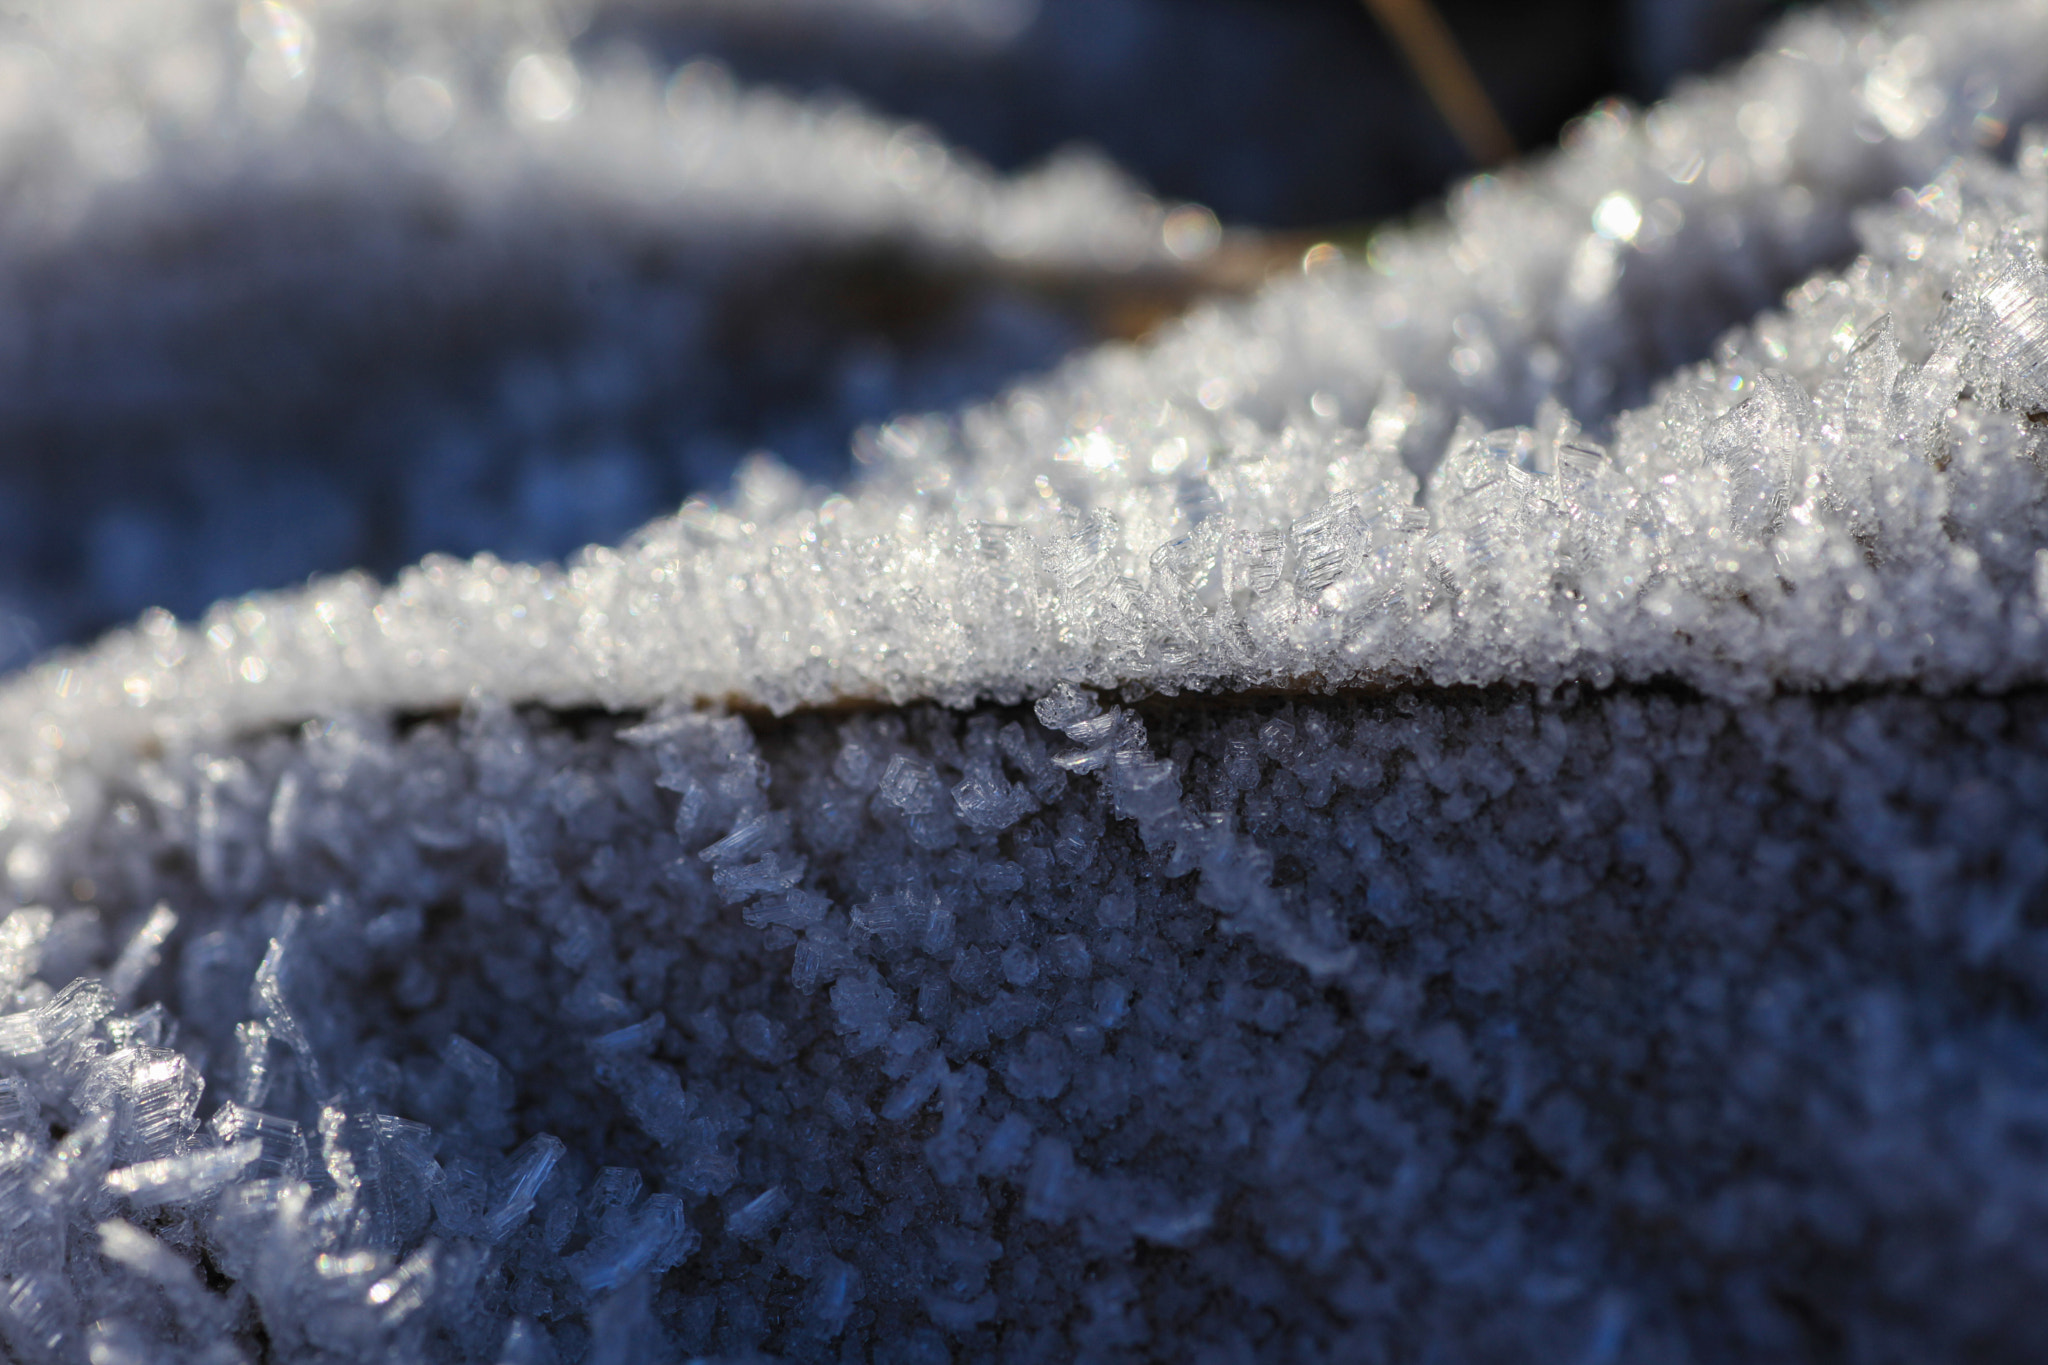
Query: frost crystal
point(1235, 508)
point(551, 277)
point(1589, 912)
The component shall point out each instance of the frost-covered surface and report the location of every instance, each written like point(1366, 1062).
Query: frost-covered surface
point(190, 92)
point(1849, 494)
point(408, 277)
point(1623, 944)
point(1635, 1027)
point(422, 278)
point(430, 278)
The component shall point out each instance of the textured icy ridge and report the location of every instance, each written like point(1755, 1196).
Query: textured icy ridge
point(112, 117)
point(1578, 279)
point(427, 277)
point(1850, 493)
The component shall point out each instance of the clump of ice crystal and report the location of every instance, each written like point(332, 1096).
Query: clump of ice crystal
point(1209, 859)
point(436, 277)
point(421, 276)
point(1848, 494)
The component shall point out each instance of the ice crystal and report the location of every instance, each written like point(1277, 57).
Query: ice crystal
point(1590, 912)
point(1847, 494)
point(564, 287)
point(1490, 1025)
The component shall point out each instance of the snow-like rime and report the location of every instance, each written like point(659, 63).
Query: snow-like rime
point(1224, 853)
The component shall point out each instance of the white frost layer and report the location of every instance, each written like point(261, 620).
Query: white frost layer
point(406, 278)
point(1538, 933)
point(105, 115)
point(1836, 499)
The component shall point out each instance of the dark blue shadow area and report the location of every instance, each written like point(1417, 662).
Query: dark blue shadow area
point(1283, 113)
point(525, 397)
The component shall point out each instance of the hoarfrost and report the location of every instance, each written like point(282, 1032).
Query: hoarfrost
point(560, 283)
point(1115, 527)
point(1592, 915)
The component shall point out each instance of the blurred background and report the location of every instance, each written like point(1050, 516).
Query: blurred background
point(1274, 113)
point(289, 288)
